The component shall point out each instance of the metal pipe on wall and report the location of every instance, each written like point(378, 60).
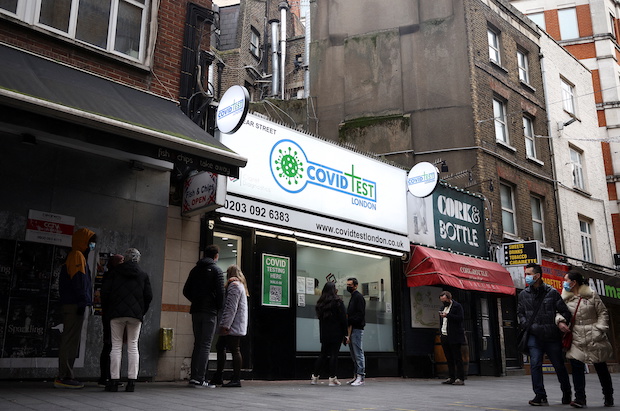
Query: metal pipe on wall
point(275, 62)
point(283, 9)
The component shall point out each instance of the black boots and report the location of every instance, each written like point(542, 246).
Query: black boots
point(112, 386)
point(131, 386)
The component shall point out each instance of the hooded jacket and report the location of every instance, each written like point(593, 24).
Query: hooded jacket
point(544, 325)
point(204, 287)
point(127, 292)
point(75, 284)
point(590, 342)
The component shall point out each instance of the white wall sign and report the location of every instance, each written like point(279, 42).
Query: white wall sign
point(203, 192)
point(232, 109)
point(425, 306)
point(49, 228)
point(422, 179)
point(295, 169)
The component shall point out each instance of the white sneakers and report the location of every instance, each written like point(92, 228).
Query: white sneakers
point(352, 380)
point(333, 382)
point(359, 380)
point(314, 380)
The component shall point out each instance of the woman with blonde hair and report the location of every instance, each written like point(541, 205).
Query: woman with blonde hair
point(233, 326)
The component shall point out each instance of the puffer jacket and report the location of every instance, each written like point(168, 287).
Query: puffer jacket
point(544, 325)
point(590, 342)
point(235, 311)
point(204, 287)
point(127, 292)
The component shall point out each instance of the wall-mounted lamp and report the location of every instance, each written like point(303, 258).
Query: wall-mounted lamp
point(567, 123)
point(444, 166)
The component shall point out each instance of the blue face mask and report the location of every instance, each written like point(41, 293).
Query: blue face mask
point(529, 279)
point(91, 246)
point(566, 285)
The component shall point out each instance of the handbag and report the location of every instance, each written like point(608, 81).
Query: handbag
point(567, 338)
point(524, 333)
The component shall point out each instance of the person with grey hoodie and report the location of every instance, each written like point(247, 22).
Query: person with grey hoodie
point(233, 326)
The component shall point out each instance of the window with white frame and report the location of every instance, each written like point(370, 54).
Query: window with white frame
point(508, 209)
point(499, 115)
point(117, 26)
point(585, 229)
point(528, 133)
point(568, 23)
point(576, 160)
point(494, 53)
point(612, 24)
point(538, 18)
point(538, 221)
point(524, 71)
point(255, 42)
point(568, 96)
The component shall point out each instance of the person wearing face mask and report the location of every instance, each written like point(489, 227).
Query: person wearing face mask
point(590, 343)
point(75, 287)
point(452, 337)
point(356, 319)
point(538, 305)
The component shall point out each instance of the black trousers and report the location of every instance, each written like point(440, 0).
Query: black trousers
point(454, 357)
point(104, 359)
point(232, 343)
point(328, 350)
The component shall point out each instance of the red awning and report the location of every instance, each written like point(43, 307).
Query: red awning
point(429, 267)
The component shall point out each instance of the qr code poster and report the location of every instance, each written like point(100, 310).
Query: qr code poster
point(276, 280)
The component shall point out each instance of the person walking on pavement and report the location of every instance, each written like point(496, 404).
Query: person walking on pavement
point(540, 303)
point(332, 331)
point(452, 338)
point(233, 325)
point(356, 319)
point(590, 343)
point(75, 287)
point(126, 296)
point(204, 288)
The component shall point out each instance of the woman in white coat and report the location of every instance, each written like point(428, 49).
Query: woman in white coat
point(233, 326)
point(590, 343)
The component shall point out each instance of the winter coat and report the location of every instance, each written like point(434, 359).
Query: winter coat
point(333, 327)
point(235, 311)
point(126, 292)
point(456, 330)
point(204, 287)
point(544, 325)
point(590, 342)
point(356, 311)
point(74, 283)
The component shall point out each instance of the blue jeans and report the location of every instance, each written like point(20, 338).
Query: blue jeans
point(357, 352)
point(553, 349)
point(203, 325)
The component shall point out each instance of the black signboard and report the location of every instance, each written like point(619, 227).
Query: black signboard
point(522, 253)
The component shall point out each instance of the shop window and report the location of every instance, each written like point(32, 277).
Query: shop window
point(117, 26)
point(230, 250)
point(539, 19)
point(585, 228)
point(317, 264)
point(538, 222)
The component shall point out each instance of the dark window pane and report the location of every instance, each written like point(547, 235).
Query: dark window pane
point(93, 20)
point(55, 13)
point(9, 5)
point(128, 29)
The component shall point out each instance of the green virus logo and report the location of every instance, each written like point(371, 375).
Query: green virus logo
point(289, 166)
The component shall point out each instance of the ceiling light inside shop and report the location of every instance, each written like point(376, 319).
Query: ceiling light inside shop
point(256, 225)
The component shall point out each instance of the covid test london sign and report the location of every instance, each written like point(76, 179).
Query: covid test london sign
point(290, 168)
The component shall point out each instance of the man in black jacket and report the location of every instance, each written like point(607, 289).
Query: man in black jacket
point(452, 337)
point(356, 319)
point(204, 288)
point(545, 334)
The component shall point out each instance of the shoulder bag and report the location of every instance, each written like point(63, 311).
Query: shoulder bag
point(567, 338)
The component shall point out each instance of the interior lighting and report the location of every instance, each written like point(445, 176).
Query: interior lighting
point(256, 225)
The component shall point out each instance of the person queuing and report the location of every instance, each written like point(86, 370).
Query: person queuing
point(233, 325)
point(356, 318)
point(75, 287)
point(104, 358)
point(452, 337)
point(204, 288)
point(541, 303)
point(332, 331)
point(126, 296)
point(590, 343)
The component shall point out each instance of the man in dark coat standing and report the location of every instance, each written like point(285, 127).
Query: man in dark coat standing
point(356, 319)
point(545, 331)
point(452, 337)
point(204, 288)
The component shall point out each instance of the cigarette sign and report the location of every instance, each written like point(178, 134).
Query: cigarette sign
point(522, 253)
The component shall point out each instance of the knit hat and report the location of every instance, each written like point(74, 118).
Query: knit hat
point(132, 254)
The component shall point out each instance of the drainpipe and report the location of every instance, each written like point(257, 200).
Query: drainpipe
point(275, 62)
point(307, 57)
point(283, 9)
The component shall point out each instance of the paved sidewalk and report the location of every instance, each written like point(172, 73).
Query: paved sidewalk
point(379, 394)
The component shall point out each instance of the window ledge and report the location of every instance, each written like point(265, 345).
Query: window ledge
point(535, 161)
point(582, 192)
point(512, 237)
point(506, 145)
point(497, 65)
point(527, 86)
